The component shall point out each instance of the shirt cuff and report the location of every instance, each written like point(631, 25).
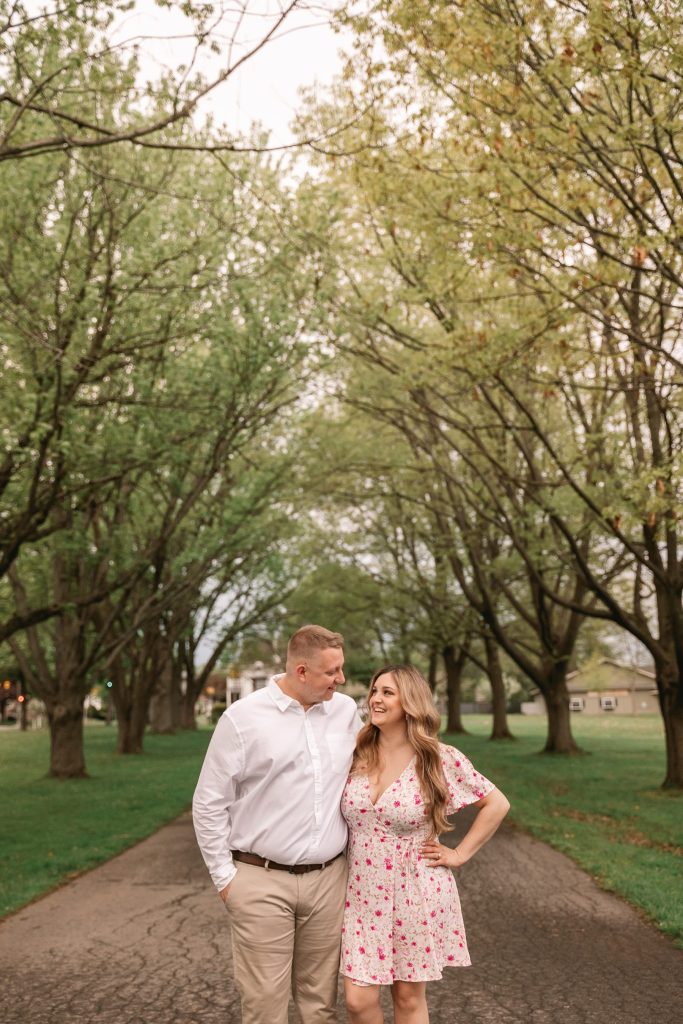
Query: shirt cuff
point(224, 877)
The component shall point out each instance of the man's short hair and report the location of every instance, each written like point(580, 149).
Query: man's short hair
point(310, 639)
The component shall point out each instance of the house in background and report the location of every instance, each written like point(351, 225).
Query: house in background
point(605, 687)
point(254, 677)
point(226, 687)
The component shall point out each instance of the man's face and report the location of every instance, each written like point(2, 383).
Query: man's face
point(320, 674)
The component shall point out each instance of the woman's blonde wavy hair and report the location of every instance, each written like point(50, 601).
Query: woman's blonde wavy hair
point(423, 722)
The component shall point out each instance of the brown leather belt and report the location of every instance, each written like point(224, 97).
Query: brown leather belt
point(294, 869)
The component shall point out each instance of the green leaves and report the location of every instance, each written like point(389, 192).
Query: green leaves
point(508, 290)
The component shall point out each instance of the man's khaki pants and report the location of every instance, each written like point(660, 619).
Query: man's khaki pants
point(286, 937)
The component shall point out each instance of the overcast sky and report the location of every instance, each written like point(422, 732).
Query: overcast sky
point(264, 89)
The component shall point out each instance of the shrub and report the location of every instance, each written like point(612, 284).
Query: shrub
point(216, 712)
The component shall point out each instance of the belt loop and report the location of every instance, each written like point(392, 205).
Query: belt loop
point(267, 865)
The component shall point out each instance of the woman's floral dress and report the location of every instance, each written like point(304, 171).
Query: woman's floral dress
point(402, 920)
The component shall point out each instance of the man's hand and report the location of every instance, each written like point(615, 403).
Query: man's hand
point(224, 893)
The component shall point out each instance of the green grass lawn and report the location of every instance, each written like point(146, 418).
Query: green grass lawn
point(605, 809)
point(52, 830)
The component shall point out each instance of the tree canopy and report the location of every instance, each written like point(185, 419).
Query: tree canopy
point(425, 383)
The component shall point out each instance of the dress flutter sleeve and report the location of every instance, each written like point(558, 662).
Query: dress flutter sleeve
point(465, 784)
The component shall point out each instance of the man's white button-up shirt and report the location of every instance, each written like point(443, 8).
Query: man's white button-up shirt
point(272, 780)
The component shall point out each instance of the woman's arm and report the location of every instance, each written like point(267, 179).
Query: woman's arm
point(491, 810)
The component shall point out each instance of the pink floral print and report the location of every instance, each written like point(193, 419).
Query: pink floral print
point(402, 917)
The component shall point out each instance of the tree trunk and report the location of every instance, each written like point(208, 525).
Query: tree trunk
point(560, 739)
point(131, 711)
point(131, 728)
point(187, 706)
point(673, 731)
point(67, 759)
point(454, 669)
point(431, 671)
point(164, 707)
point(499, 725)
point(23, 706)
point(178, 690)
point(192, 687)
point(67, 690)
point(671, 705)
point(145, 668)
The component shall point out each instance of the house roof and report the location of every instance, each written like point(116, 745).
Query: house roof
point(584, 679)
point(637, 669)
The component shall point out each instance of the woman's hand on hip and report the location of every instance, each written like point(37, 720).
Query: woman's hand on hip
point(438, 855)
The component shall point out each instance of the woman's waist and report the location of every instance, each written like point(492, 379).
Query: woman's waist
point(407, 841)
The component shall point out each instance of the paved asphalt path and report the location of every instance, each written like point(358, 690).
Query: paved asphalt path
point(144, 940)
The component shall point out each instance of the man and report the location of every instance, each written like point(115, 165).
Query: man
point(266, 814)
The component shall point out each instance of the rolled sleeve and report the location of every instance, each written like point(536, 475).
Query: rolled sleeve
point(213, 798)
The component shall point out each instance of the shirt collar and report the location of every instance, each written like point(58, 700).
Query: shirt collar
point(284, 701)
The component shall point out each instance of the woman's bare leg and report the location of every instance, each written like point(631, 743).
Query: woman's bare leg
point(362, 1003)
point(410, 1002)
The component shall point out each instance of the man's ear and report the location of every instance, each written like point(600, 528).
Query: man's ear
point(301, 670)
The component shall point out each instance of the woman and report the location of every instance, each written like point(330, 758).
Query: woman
point(402, 922)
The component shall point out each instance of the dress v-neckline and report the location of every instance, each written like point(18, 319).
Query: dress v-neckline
point(386, 788)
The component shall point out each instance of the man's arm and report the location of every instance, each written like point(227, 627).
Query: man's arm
point(213, 798)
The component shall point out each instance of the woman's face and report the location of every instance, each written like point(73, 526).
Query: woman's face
point(384, 702)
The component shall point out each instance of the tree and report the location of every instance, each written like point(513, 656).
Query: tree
point(181, 314)
point(473, 490)
point(59, 62)
point(527, 198)
point(574, 113)
point(388, 555)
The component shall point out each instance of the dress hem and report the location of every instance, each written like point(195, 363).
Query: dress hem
point(363, 982)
